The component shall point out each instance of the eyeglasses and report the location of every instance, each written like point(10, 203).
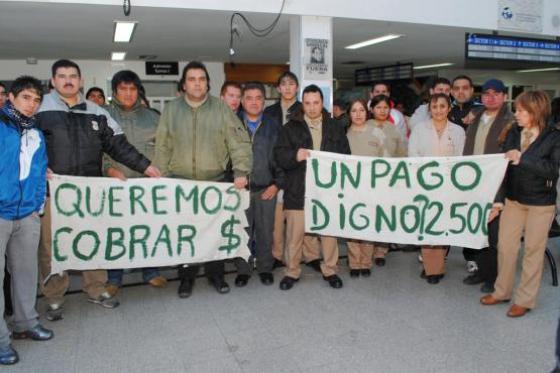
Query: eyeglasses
point(3, 94)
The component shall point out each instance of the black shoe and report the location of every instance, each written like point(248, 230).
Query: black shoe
point(473, 279)
point(241, 280)
point(433, 279)
point(365, 272)
point(334, 281)
point(487, 287)
point(278, 264)
point(380, 262)
point(354, 273)
point(8, 356)
point(288, 282)
point(36, 333)
point(315, 264)
point(219, 284)
point(266, 278)
point(185, 288)
point(423, 275)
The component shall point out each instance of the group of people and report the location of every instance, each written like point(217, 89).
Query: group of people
point(234, 138)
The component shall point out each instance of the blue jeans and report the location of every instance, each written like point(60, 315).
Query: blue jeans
point(115, 276)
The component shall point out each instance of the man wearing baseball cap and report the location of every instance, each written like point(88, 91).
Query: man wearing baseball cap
point(485, 136)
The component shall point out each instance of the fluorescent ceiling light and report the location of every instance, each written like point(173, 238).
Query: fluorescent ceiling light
point(424, 67)
point(378, 40)
point(539, 70)
point(123, 31)
point(118, 56)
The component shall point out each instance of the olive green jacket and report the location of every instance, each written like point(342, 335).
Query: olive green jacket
point(139, 126)
point(198, 143)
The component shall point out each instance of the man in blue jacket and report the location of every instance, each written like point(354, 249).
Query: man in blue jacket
point(22, 195)
point(265, 181)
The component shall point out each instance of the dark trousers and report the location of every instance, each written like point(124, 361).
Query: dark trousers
point(470, 254)
point(260, 216)
point(487, 259)
point(213, 269)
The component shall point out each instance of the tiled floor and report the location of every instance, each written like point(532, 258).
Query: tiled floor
point(391, 322)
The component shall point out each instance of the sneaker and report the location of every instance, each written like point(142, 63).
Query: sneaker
point(158, 282)
point(420, 259)
point(472, 267)
point(54, 312)
point(105, 300)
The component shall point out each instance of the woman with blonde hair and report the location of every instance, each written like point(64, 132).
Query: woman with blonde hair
point(372, 138)
point(533, 149)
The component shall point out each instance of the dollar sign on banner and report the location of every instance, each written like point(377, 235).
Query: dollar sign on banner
point(228, 232)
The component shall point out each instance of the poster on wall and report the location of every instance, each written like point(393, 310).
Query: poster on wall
point(316, 57)
point(520, 15)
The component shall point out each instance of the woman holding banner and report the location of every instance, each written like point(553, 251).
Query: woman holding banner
point(437, 137)
point(533, 148)
point(374, 138)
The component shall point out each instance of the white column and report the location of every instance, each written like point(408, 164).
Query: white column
point(311, 57)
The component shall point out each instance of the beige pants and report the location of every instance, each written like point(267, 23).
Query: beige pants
point(93, 282)
point(361, 252)
point(433, 258)
point(296, 238)
point(311, 249)
point(535, 222)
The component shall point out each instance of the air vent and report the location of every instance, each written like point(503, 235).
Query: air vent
point(147, 57)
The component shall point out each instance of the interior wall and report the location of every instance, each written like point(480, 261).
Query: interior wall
point(98, 72)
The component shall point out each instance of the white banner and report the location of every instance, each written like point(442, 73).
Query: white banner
point(422, 201)
point(106, 223)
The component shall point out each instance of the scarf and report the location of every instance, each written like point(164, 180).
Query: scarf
point(23, 122)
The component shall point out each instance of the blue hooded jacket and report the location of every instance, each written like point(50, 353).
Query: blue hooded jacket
point(23, 169)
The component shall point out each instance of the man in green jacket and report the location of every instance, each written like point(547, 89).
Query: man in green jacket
point(139, 124)
point(196, 138)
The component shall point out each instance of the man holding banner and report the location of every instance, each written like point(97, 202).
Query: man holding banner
point(309, 129)
point(77, 133)
point(266, 180)
point(139, 125)
point(197, 136)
